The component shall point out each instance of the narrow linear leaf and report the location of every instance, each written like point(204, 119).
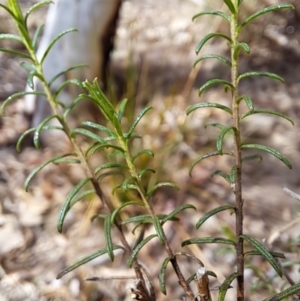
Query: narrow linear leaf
point(159, 230)
point(225, 286)
point(264, 252)
point(16, 53)
point(36, 36)
point(67, 204)
point(28, 67)
point(213, 12)
point(146, 219)
point(18, 95)
point(266, 74)
point(142, 152)
point(72, 105)
point(40, 127)
point(85, 260)
point(40, 167)
point(222, 174)
point(176, 211)
point(212, 212)
point(9, 36)
point(210, 36)
point(214, 82)
point(34, 8)
point(121, 109)
point(138, 248)
point(7, 9)
point(208, 105)
point(119, 208)
point(54, 78)
point(162, 276)
point(247, 100)
point(222, 59)
point(143, 171)
point(221, 136)
point(269, 150)
point(87, 133)
point(22, 137)
point(274, 254)
point(137, 120)
point(81, 196)
point(107, 174)
point(99, 127)
point(106, 145)
point(161, 184)
point(294, 289)
point(230, 5)
point(267, 112)
point(108, 238)
point(67, 161)
point(54, 41)
point(75, 82)
point(208, 155)
point(264, 11)
point(241, 46)
point(208, 240)
point(106, 166)
point(250, 158)
point(233, 173)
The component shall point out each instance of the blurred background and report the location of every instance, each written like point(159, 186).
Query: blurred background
point(152, 64)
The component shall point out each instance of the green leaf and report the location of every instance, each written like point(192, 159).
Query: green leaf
point(137, 120)
point(54, 41)
point(97, 147)
point(294, 289)
point(161, 184)
point(204, 157)
point(75, 82)
point(233, 172)
point(40, 127)
point(67, 204)
point(266, 74)
point(264, 252)
point(247, 100)
point(145, 219)
point(222, 174)
point(264, 11)
point(28, 67)
point(269, 150)
point(207, 105)
point(212, 212)
point(138, 248)
point(253, 157)
point(222, 59)
point(20, 140)
point(274, 254)
point(108, 165)
point(171, 215)
point(72, 105)
point(267, 112)
point(230, 6)
point(36, 36)
point(88, 134)
point(16, 53)
point(18, 95)
point(34, 8)
point(142, 152)
point(119, 208)
point(108, 239)
point(121, 108)
point(40, 167)
point(208, 240)
point(81, 196)
point(54, 78)
point(213, 12)
point(8, 10)
point(221, 136)
point(213, 82)
point(99, 127)
point(85, 260)
point(9, 36)
point(143, 171)
point(162, 276)
point(210, 36)
point(225, 286)
point(159, 230)
point(241, 46)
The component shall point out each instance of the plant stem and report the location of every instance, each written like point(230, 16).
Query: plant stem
point(237, 188)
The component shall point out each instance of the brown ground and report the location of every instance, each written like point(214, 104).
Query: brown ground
point(160, 38)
